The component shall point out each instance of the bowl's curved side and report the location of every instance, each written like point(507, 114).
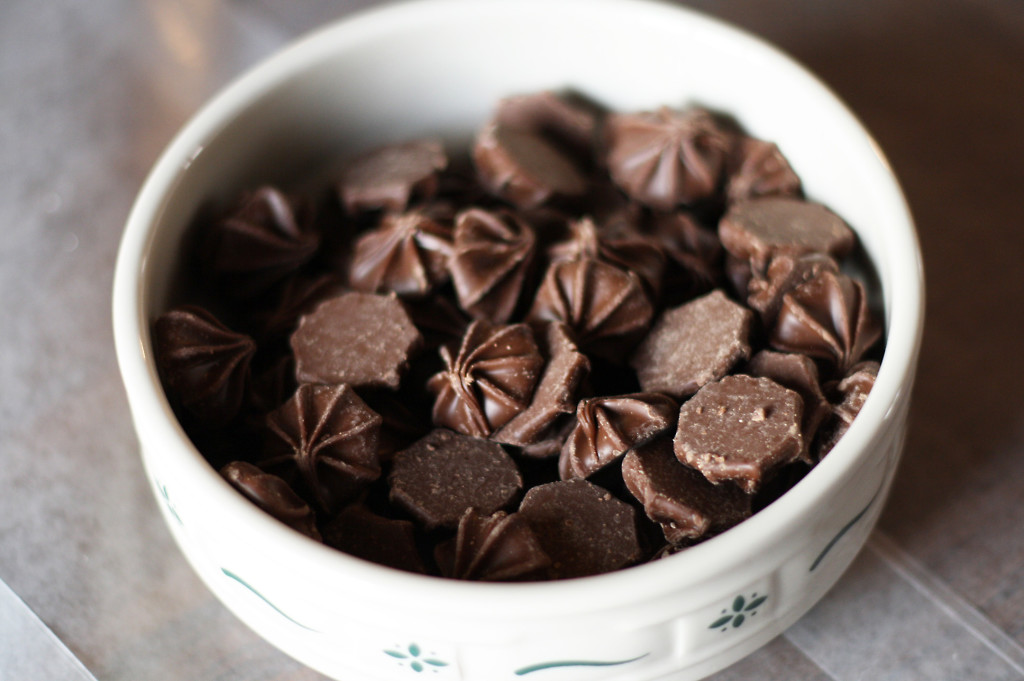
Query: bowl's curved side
point(401, 72)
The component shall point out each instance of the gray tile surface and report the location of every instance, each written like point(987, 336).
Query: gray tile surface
point(91, 91)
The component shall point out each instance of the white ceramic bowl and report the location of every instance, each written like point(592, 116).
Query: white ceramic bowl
point(437, 68)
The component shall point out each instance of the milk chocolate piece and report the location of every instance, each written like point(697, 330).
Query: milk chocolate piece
point(204, 364)
point(362, 533)
point(827, 318)
point(739, 429)
point(666, 158)
point(692, 345)
point(555, 397)
point(758, 168)
point(605, 306)
point(760, 229)
point(523, 168)
point(799, 373)
point(324, 438)
point(390, 177)
point(493, 251)
point(444, 473)
point(583, 528)
point(628, 252)
point(489, 381)
point(362, 339)
point(407, 253)
point(494, 548)
point(266, 237)
point(679, 498)
point(608, 427)
point(273, 495)
point(784, 273)
point(561, 120)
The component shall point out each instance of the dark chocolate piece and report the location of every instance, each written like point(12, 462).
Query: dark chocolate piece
point(489, 381)
point(605, 306)
point(783, 274)
point(324, 438)
point(760, 229)
point(849, 395)
point(694, 254)
point(583, 528)
point(444, 473)
point(608, 427)
point(628, 252)
point(553, 399)
point(827, 317)
point(390, 177)
point(362, 533)
point(567, 124)
point(362, 339)
point(679, 498)
point(799, 373)
point(523, 168)
point(494, 548)
point(739, 429)
point(407, 253)
point(272, 495)
point(758, 168)
point(493, 251)
point(666, 158)
point(204, 364)
point(692, 345)
point(266, 237)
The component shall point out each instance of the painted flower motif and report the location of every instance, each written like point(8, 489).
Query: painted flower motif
point(739, 612)
point(413, 655)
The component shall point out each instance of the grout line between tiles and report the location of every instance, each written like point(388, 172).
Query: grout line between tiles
point(946, 599)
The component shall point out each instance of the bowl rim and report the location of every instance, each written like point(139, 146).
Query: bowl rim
point(905, 315)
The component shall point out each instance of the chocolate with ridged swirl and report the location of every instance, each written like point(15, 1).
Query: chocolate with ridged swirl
point(693, 253)
point(629, 252)
point(204, 364)
point(693, 344)
point(583, 528)
point(827, 317)
point(407, 253)
point(848, 395)
point(389, 177)
point(679, 498)
point(273, 495)
point(759, 229)
point(489, 381)
point(606, 307)
point(523, 168)
point(492, 548)
point(784, 273)
point(739, 429)
point(666, 158)
point(758, 168)
point(492, 254)
point(538, 428)
point(323, 440)
point(444, 473)
point(608, 427)
point(361, 339)
point(265, 237)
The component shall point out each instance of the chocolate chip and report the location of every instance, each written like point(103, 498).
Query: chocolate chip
point(389, 177)
point(583, 528)
point(362, 533)
point(273, 495)
point(361, 339)
point(441, 475)
point(495, 548)
point(739, 429)
point(692, 345)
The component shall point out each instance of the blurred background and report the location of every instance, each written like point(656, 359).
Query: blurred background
point(90, 93)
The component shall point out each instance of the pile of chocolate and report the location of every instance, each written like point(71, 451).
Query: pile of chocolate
point(593, 340)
